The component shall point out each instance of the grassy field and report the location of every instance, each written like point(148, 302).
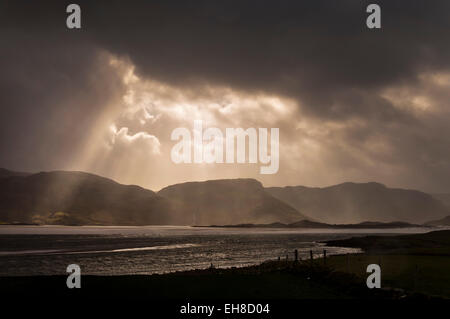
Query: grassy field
point(418, 273)
point(419, 263)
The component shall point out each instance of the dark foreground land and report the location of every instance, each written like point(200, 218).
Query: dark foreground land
point(413, 267)
point(418, 263)
point(270, 280)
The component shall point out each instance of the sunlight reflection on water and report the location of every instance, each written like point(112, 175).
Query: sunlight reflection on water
point(47, 250)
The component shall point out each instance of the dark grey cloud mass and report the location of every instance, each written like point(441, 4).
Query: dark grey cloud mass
point(318, 53)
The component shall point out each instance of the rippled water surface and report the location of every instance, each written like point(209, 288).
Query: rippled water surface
point(47, 250)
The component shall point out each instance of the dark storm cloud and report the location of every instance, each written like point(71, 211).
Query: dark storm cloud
point(312, 50)
point(318, 52)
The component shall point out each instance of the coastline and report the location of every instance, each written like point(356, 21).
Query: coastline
point(407, 273)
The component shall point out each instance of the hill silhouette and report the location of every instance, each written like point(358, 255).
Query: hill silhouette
point(358, 202)
point(62, 197)
point(7, 173)
point(439, 222)
point(311, 224)
point(78, 198)
point(228, 201)
point(444, 198)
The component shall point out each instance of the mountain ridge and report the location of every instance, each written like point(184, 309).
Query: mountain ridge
point(75, 197)
point(311, 224)
point(357, 202)
point(80, 198)
point(249, 201)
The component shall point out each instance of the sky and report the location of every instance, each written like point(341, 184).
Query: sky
point(351, 103)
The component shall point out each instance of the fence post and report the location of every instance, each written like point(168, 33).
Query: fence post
point(296, 255)
point(324, 256)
